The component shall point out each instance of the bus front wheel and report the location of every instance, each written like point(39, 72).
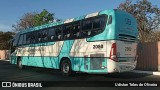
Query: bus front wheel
point(66, 68)
point(19, 64)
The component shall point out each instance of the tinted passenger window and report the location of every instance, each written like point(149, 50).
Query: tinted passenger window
point(39, 36)
point(67, 31)
point(58, 33)
point(15, 42)
point(93, 26)
point(98, 22)
point(71, 31)
point(28, 38)
point(87, 24)
point(24, 38)
point(20, 42)
point(42, 36)
point(51, 34)
point(75, 32)
point(32, 37)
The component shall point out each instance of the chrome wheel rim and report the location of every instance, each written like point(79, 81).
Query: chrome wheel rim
point(66, 68)
point(20, 64)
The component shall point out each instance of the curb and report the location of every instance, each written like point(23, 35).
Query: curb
point(4, 60)
point(147, 72)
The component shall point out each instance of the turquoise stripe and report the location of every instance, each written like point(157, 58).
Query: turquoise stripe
point(53, 62)
point(65, 50)
point(46, 62)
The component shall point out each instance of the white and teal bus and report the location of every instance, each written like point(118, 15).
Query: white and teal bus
point(102, 42)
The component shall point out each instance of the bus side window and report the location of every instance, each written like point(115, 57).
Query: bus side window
point(98, 25)
point(28, 41)
point(75, 32)
point(44, 37)
point(58, 33)
point(24, 39)
point(51, 34)
point(87, 24)
point(33, 37)
point(66, 31)
point(20, 42)
point(86, 28)
point(39, 36)
point(98, 22)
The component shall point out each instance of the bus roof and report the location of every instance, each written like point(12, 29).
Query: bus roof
point(67, 20)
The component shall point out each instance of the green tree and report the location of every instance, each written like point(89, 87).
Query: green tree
point(33, 19)
point(5, 37)
point(43, 17)
point(147, 15)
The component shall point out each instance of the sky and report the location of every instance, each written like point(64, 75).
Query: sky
point(12, 10)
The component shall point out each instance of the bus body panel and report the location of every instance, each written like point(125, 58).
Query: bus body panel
point(126, 59)
point(40, 55)
point(85, 55)
point(126, 49)
point(126, 26)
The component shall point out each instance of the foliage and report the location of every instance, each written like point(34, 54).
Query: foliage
point(32, 19)
point(43, 17)
point(147, 15)
point(5, 37)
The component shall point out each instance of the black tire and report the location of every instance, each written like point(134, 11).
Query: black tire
point(66, 69)
point(19, 64)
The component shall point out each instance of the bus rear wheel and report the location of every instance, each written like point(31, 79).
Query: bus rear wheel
point(19, 64)
point(66, 68)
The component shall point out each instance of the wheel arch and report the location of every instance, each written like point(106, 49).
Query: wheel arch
point(62, 59)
